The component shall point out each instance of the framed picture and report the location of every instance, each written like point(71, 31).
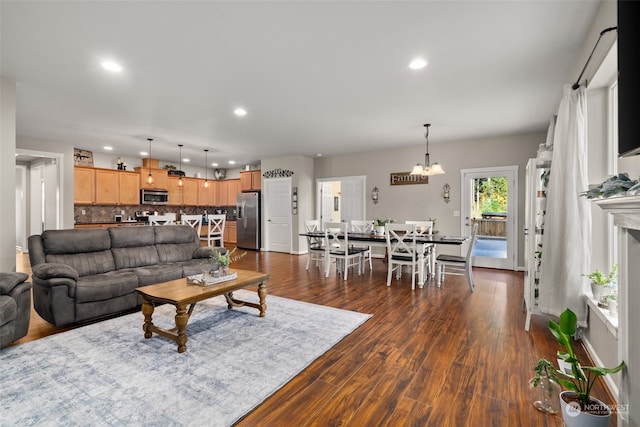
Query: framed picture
point(82, 157)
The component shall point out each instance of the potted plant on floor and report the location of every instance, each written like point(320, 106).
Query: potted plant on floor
point(601, 284)
point(544, 388)
point(579, 408)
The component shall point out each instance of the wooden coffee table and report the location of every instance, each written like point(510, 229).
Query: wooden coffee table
point(181, 294)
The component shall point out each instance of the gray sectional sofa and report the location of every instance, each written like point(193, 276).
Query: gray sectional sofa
point(85, 274)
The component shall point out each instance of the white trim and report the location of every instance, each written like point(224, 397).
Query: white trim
point(512, 208)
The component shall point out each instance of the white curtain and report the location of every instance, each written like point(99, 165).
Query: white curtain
point(566, 242)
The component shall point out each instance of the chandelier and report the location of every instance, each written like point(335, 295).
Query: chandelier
point(427, 168)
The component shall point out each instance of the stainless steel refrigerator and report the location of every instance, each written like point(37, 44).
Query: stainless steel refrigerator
point(248, 216)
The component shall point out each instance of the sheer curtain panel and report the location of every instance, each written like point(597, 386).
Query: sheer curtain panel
point(566, 241)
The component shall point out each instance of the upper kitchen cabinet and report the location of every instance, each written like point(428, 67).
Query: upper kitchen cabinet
point(160, 179)
point(105, 186)
point(129, 186)
point(232, 191)
point(83, 185)
point(250, 180)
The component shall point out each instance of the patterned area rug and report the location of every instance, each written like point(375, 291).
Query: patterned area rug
point(108, 374)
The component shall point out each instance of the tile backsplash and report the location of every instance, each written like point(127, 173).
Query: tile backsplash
point(96, 214)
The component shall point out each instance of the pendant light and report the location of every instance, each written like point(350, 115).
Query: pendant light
point(180, 170)
point(427, 168)
point(149, 177)
point(206, 177)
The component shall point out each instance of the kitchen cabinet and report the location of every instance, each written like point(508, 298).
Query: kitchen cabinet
point(250, 180)
point(206, 194)
point(175, 191)
point(232, 191)
point(190, 191)
point(106, 192)
point(83, 185)
point(230, 233)
point(129, 188)
point(221, 196)
point(160, 178)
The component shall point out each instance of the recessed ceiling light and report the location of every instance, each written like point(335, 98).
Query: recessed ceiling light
point(106, 147)
point(240, 112)
point(112, 66)
point(144, 153)
point(186, 160)
point(232, 162)
point(214, 165)
point(319, 155)
point(418, 63)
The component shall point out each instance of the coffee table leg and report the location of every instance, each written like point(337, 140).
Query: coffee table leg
point(262, 294)
point(181, 323)
point(147, 310)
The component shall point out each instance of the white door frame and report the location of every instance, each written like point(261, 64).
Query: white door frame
point(320, 181)
point(511, 172)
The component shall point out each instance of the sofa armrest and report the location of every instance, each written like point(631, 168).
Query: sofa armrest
point(203, 252)
point(54, 271)
point(8, 281)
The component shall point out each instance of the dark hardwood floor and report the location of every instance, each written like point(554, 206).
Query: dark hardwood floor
point(429, 357)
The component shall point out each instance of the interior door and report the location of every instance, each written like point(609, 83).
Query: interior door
point(278, 219)
point(489, 198)
point(340, 199)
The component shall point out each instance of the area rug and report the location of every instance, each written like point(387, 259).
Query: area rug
point(108, 374)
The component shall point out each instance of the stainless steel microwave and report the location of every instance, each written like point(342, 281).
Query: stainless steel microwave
point(154, 197)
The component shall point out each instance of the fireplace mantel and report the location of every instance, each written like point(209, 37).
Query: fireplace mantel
point(626, 215)
point(625, 210)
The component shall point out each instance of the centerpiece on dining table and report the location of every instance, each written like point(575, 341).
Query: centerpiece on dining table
point(378, 225)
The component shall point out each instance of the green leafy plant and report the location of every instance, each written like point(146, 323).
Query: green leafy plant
point(380, 222)
point(582, 378)
point(224, 259)
point(599, 278)
point(544, 368)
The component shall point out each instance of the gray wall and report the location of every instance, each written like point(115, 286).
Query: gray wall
point(425, 201)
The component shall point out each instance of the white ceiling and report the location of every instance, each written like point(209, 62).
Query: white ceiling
point(324, 77)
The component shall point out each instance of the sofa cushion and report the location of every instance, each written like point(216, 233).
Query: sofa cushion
point(131, 237)
point(105, 286)
point(194, 266)
point(157, 274)
point(175, 234)
point(135, 257)
point(8, 309)
point(175, 252)
point(86, 264)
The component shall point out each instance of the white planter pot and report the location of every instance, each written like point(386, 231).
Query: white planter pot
point(613, 307)
point(574, 417)
point(380, 230)
point(600, 291)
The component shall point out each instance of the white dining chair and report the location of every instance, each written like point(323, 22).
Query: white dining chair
point(425, 228)
point(337, 247)
point(363, 226)
point(194, 221)
point(315, 244)
point(402, 251)
point(215, 230)
point(460, 265)
point(166, 219)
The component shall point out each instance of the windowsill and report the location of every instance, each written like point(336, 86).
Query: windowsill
point(611, 322)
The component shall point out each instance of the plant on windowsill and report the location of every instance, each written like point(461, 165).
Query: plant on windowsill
point(579, 408)
point(601, 284)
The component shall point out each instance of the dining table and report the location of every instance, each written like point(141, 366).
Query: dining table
point(380, 240)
